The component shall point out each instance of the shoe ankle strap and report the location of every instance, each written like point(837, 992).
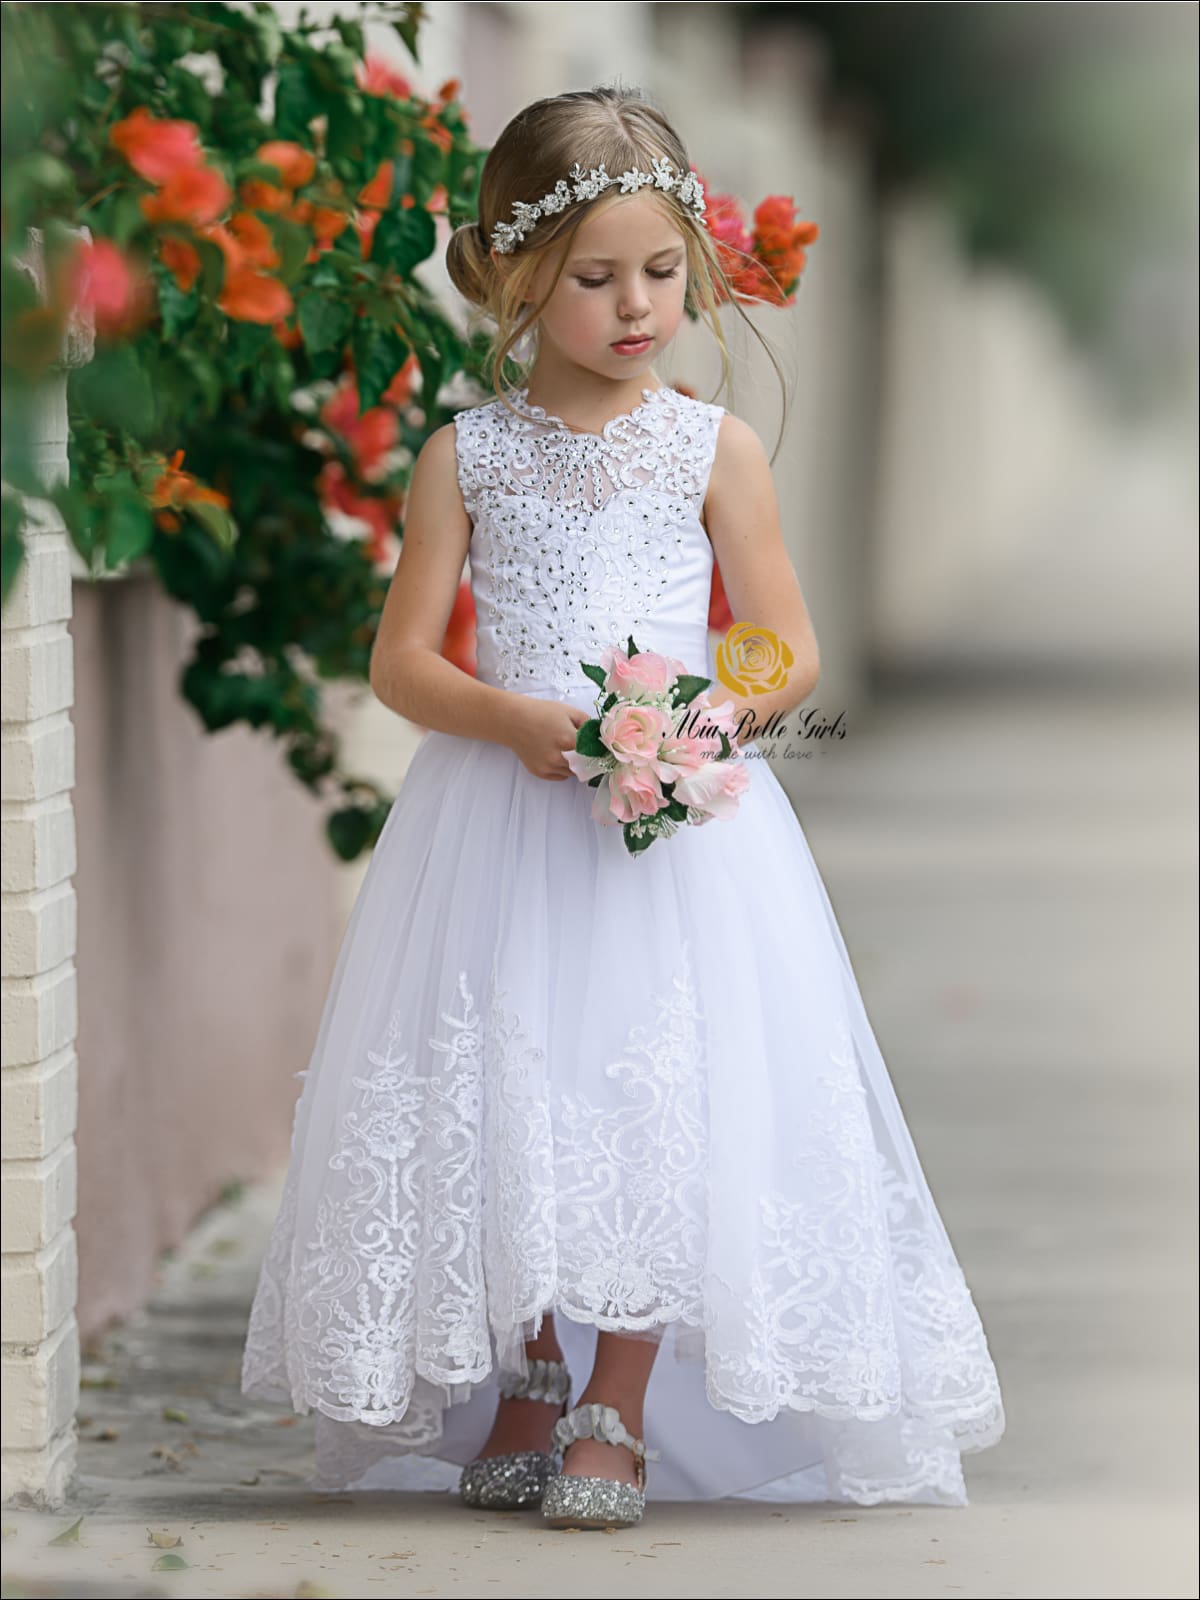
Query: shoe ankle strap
point(545, 1380)
point(596, 1421)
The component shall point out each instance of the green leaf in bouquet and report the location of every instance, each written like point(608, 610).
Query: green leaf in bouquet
point(588, 741)
point(595, 673)
point(688, 686)
point(638, 837)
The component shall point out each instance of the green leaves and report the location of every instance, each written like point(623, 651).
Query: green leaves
point(114, 391)
point(379, 353)
point(325, 321)
point(404, 237)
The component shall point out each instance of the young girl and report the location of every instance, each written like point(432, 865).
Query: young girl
point(597, 1159)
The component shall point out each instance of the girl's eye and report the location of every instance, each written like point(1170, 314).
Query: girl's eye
point(598, 283)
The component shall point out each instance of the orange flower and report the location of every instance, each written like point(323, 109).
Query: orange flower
point(379, 513)
point(327, 224)
point(301, 211)
point(174, 487)
point(460, 641)
point(154, 147)
point(229, 245)
point(288, 334)
point(191, 194)
point(378, 192)
point(254, 237)
point(369, 437)
point(449, 90)
point(293, 163)
point(437, 130)
point(366, 232)
point(260, 196)
point(181, 258)
point(399, 392)
point(250, 296)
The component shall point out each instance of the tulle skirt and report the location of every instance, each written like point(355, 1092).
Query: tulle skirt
point(641, 1093)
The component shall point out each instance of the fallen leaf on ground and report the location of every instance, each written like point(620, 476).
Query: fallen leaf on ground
point(68, 1535)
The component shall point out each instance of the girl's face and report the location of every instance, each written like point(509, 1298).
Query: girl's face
point(625, 273)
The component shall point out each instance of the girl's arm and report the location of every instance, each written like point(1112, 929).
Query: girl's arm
point(741, 512)
point(408, 671)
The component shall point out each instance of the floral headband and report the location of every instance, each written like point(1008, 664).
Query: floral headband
point(507, 235)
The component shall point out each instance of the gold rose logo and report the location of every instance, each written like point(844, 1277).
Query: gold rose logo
point(753, 660)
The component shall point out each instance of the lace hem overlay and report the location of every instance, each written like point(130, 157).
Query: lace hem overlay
point(441, 1250)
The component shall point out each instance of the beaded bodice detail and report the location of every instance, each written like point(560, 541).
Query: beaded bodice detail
point(581, 539)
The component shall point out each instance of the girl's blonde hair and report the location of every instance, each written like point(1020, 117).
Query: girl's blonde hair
point(610, 124)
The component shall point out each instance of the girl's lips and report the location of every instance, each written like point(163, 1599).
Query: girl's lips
point(631, 344)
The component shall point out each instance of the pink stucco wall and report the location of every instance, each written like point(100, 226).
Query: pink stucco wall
point(208, 929)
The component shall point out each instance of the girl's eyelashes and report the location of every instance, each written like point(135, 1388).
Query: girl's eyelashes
point(598, 283)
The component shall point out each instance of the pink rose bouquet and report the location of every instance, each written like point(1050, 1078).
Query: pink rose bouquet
point(652, 768)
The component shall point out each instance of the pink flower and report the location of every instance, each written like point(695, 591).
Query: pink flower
point(585, 768)
point(682, 755)
point(634, 732)
point(715, 788)
point(102, 280)
point(634, 792)
point(377, 77)
point(642, 676)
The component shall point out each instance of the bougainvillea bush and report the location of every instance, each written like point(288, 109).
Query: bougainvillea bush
point(267, 363)
point(241, 207)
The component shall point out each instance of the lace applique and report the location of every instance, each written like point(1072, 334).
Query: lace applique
point(430, 1245)
point(390, 1282)
point(632, 1183)
point(576, 538)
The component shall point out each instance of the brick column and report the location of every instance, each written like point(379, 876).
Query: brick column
point(37, 1035)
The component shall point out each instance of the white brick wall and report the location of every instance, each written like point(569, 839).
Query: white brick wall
point(38, 1063)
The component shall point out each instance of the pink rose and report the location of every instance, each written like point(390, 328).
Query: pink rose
point(634, 792)
point(634, 732)
point(585, 767)
point(723, 717)
point(643, 676)
point(715, 788)
point(681, 755)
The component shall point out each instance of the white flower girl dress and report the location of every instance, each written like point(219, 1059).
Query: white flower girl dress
point(639, 1091)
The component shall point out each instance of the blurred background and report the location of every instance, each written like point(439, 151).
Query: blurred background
point(987, 475)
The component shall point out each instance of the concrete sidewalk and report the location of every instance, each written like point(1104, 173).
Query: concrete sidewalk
point(1014, 874)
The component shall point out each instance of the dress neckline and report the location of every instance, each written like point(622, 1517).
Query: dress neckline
point(650, 398)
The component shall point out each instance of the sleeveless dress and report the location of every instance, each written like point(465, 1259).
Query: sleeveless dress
point(639, 1091)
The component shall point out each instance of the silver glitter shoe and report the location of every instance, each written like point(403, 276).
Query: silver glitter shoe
point(572, 1500)
point(518, 1479)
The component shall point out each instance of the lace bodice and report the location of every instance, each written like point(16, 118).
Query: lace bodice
point(579, 540)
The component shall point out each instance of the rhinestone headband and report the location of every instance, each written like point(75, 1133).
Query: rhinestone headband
point(587, 185)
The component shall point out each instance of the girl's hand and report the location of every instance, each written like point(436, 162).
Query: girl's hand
point(542, 730)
